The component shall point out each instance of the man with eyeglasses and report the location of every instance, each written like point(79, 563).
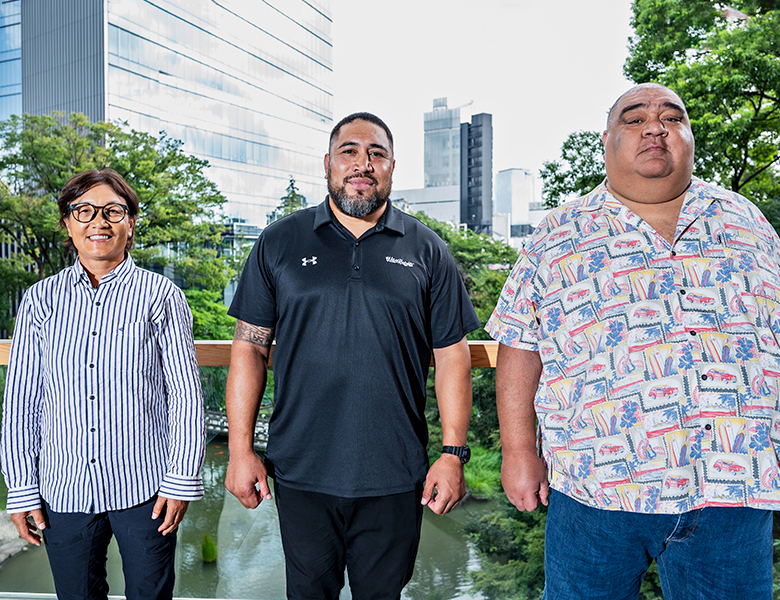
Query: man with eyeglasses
point(103, 432)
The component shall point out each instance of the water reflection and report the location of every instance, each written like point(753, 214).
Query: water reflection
point(250, 562)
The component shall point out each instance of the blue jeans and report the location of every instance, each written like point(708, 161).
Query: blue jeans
point(77, 545)
point(707, 554)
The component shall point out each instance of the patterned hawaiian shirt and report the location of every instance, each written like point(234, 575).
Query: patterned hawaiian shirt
point(659, 391)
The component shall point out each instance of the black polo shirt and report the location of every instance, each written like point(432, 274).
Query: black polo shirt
point(355, 324)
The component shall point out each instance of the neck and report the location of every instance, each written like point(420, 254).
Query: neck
point(661, 214)
point(96, 270)
point(357, 226)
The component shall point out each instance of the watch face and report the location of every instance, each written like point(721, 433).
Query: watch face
point(465, 454)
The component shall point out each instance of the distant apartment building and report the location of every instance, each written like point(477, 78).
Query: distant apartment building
point(516, 193)
point(476, 173)
point(245, 85)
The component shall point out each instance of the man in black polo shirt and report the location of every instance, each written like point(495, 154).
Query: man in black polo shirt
point(358, 296)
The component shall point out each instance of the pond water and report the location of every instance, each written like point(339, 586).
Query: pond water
point(250, 562)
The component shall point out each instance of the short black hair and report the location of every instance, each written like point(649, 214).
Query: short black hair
point(360, 116)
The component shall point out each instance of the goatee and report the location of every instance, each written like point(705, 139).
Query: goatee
point(356, 206)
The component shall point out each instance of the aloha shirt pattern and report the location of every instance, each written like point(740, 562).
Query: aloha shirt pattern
point(659, 391)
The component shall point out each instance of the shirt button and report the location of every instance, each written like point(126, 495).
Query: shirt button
point(92, 429)
point(97, 303)
point(356, 267)
point(357, 244)
point(704, 376)
point(708, 427)
point(91, 366)
point(682, 292)
point(674, 253)
point(94, 333)
point(92, 397)
point(92, 461)
point(693, 333)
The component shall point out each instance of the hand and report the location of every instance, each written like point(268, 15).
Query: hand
point(247, 479)
point(174, 512)
point(27, 527)
point(446, 475)
point(524, 477)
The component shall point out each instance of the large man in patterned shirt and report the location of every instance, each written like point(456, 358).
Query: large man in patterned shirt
point(640, 328)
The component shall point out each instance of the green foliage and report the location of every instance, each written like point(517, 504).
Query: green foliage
point(580, 169)
point(511, 545)
point(483, 472)
point(484, 417)
point(208, 549)
point(290, 202)
point(210, 320)
point(178, 204)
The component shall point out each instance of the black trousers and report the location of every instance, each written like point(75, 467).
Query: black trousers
point(374, 538)
point(77, 545)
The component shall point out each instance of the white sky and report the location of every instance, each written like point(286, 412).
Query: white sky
point(543, 69)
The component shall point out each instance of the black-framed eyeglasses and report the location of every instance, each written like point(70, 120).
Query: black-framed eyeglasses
point(84, 212)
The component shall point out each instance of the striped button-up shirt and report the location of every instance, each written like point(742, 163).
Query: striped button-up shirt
point(661, 362)
point(103, 406)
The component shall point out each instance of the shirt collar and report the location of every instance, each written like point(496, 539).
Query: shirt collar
point(120, 273)
point(698, 197)
point(390, 219)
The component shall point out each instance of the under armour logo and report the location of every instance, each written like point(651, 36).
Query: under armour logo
point(309, 261)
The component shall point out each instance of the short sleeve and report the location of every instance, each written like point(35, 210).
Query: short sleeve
point(452, 314)
point(255, 298)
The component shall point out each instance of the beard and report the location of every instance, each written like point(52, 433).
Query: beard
point(360, 205)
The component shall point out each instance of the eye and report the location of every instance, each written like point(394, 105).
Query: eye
point(114, 212)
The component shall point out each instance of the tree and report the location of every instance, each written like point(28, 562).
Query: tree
point(177, 227)
point(724, 61)
point(290, 202)
point(580, 170)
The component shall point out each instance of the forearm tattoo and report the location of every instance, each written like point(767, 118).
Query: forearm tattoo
point(258, 336)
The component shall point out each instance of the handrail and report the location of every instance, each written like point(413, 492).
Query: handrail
point(216, 353)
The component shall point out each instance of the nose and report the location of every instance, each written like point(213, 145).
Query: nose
point(655, 126)
point(363, 162)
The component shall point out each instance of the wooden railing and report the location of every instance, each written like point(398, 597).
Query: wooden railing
point(216, 353)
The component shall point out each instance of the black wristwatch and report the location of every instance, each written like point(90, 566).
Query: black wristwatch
point(462, 452)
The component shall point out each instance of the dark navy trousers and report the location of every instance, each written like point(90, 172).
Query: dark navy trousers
point(77, 545)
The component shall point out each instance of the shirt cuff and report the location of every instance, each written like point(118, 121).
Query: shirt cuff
point(23, 499)
point(177, 487)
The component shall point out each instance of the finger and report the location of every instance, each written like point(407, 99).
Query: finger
point(544, 493)
point(158, 507)
point(26, 529)
point(427, 495)
point(37, 516)
point(264, 490)
point(174, 524)
point(170, 516)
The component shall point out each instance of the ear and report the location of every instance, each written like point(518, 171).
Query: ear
point(326, 162)
point(130, 230)
point(604, 139)
point(66, 220)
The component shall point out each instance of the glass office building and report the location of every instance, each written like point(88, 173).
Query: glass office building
point(10, 58)
point(245, 85)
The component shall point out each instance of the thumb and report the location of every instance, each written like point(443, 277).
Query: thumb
point(37, 516)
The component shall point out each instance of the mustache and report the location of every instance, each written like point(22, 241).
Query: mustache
point(361, 176)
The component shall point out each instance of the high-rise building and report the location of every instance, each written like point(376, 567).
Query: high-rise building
point(10, 58)
point(476, 173)
point(245, 85)
point(442, 145)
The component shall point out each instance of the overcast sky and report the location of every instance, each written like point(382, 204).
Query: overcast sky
point(543, 69)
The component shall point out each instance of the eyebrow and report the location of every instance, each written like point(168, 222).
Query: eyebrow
point(667, 104)
point(372, 145)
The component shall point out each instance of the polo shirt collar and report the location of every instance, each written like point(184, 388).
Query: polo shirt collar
point(390, 219)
